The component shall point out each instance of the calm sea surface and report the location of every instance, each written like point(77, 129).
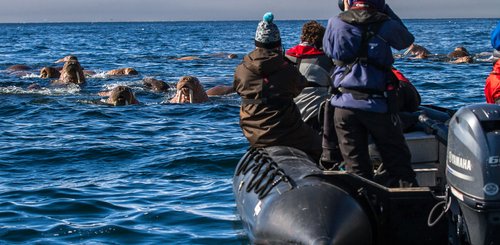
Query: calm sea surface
point(74, 171)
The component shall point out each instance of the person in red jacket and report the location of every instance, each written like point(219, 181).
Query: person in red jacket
point(492, 87)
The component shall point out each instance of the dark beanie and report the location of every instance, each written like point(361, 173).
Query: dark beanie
point(267, 34)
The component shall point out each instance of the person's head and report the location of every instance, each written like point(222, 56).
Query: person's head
point(267, 34)
point(375, 4)
point(312, 33)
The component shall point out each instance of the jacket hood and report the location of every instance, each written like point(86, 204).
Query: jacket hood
point(264, 61)
point(304, 51)
point(362, 16)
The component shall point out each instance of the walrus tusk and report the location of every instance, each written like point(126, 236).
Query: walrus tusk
point(191, 96)
point(407, 51)
point(78, 75)
point(60, 60)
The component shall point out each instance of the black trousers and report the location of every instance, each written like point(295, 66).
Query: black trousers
point(353, 128)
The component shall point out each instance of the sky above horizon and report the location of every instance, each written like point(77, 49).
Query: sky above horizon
point(21, 11)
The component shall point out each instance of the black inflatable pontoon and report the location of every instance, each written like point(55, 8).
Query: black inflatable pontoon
point(284, 198)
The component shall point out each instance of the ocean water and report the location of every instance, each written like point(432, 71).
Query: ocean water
point(79, 172)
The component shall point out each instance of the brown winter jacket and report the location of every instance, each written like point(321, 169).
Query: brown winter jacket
point(267, 85)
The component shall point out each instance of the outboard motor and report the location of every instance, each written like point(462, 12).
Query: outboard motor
point(473, 175)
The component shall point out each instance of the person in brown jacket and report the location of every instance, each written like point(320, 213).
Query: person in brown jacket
point(267, 84)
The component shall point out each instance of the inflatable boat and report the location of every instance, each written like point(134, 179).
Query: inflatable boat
point(283, 197)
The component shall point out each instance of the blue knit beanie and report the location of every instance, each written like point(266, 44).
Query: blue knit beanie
point(495, 38)
point(267, 34)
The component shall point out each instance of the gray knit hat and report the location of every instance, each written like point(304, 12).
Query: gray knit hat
point(267, 34)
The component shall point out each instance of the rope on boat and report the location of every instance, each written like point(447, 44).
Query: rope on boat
point(266, 173)
point(446, 206)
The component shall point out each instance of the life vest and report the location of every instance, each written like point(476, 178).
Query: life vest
point(343, 42)
point(370, 30)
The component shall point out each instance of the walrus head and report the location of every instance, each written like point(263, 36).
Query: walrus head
point(34, 86)
point(122, 95)
point(123, 71)
point(419, 52)
point(155, 85)
point(49, 72)
point(459, 52)
point(189, 90)
point(131, 71)
point(72, 71)
point(18, 68)
point(67, 58)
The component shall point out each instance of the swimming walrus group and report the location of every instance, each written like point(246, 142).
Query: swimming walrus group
point(459, 55)
point(188, 88)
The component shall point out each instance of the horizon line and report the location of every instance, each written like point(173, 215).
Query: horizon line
point(152, 21)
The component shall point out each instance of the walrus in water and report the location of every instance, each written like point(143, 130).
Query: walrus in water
point(121, 95)
point(189, 90)
point(188, 58)
point(15, 68)
point(419, 52)
point(224, 55)
point(19, 70)
point(459, 52)
point(460, 55)
point(71, 72)
point(34, 86)
point(122, 72)
point(218, 55)
point(49, 72)
point(155, 84)
point(220, 90)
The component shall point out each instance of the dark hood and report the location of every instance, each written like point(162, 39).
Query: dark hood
point(264, 61)
point(362, 16)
